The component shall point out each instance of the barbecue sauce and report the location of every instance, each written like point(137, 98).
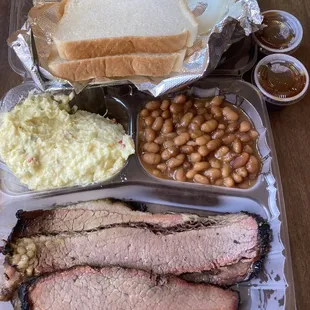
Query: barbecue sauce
point(278, 33)
point(281, 79)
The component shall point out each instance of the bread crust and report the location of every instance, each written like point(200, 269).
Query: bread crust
point(83, 49)
point(116, 66)
point(122, 45)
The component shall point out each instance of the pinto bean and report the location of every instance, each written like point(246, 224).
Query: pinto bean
point(232, 127)
point(144, 113)
point(213, 174)
point(245, 126)
point(229, 182)
point(187, 149)
point(230, 114)
point(176, 108)
point(247, 149)
point(165, 105)
point(149, 120)
point(201, 166)
point(195, 157)
point(226, 170)
point(188, 107)
point(194, 126)
point(156, 113)
point(215, 163)
point(153, 105)
point(151, 147)
point(170, 152)
point(167, 126)
point(174, 162)
point(199, 119)
point(214, 144)
point(209, 126)
point(203, 140)
point(237, 146)
point(195, 134)
point(240, 161)
point(216, 111)
point(182, 139)
point(159, 140)
point(203, 150)
point(223, 150)
point(199, 104)
point(201, 179)
point(217, 100)
point(151, 158)
point(252, 165)
point(228, 139)
point(149, 135)
point(166, 114)
point(156, 173)
point(190, 174)
point(202, 111)
point(253, 134)
point(158, 123)
point(243, 172)
point(167, 144)
point(221, 126)
point(237, 178)
point(162, 167)
point(181, 130)
point(218, 134)
point(180, 99)
point(244, 137)
point(179, 175)
point(186, 119)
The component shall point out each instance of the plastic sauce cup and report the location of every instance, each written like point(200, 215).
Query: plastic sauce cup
point(282, 79)
point(282, 33)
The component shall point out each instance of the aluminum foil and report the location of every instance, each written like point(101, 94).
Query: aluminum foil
point(221, 23)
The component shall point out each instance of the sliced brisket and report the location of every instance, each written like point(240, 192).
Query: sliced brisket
point(118, 288)
point(88, 216)
point(226, 240)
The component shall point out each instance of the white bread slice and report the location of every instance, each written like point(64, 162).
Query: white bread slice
point(97, 28)
point(116, 66)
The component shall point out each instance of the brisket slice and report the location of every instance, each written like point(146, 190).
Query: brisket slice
point(83, 287)
point(88, 216)
point(228, 240)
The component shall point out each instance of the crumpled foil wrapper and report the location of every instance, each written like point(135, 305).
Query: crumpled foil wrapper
point(33, 44)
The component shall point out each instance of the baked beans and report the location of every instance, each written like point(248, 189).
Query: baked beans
point(206, 141)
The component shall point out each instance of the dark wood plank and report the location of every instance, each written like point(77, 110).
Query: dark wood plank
point(291, 128)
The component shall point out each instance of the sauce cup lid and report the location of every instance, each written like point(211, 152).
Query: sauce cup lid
point(278, 59)
point(293, 23)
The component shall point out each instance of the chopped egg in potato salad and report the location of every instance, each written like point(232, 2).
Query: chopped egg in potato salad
point(46, 144)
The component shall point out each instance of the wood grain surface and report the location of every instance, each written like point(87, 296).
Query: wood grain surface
point(291, 130)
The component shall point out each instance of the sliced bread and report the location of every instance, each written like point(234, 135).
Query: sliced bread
point(116, 66)
point(97, 28)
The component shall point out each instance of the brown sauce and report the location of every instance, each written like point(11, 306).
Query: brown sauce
point(281, 79)
point(278, 33)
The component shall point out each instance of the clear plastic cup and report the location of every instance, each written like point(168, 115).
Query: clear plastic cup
point(286, 81)
point(283, 33)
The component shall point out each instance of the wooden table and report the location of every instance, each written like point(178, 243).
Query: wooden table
point(291, 130)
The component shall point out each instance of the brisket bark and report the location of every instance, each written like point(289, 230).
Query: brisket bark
point(118, 288)
point(91, 215)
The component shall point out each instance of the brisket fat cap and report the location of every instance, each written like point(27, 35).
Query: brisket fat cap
point(119, 288)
